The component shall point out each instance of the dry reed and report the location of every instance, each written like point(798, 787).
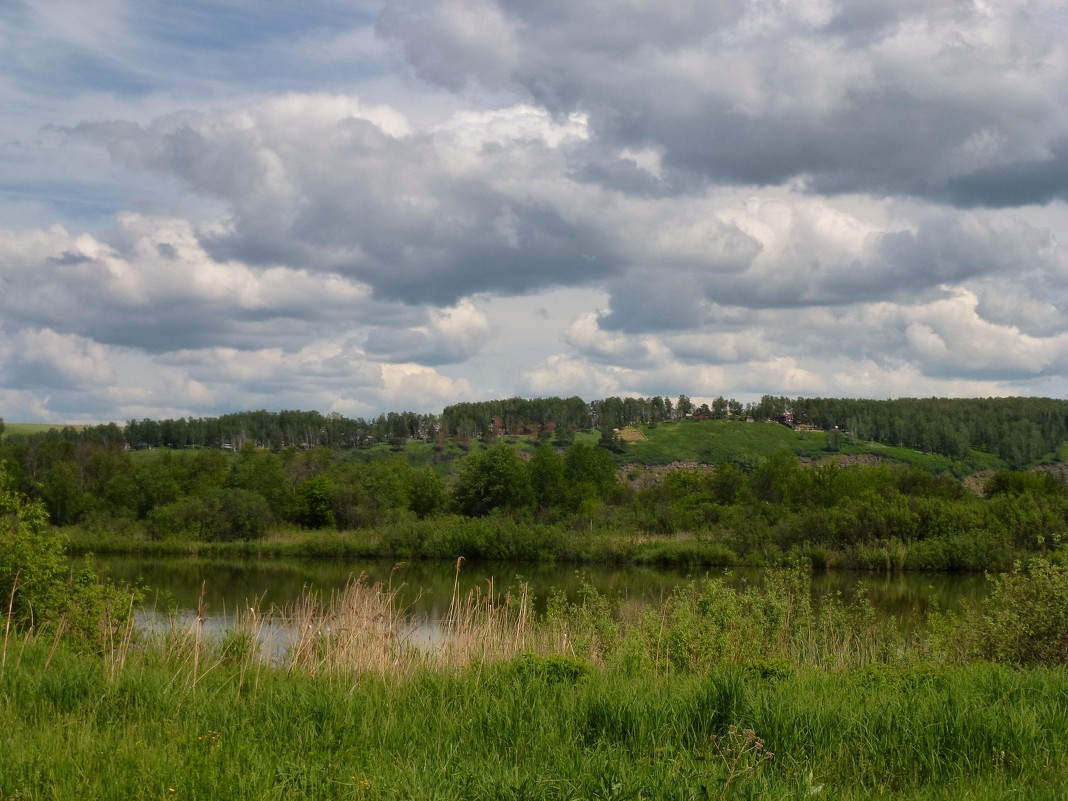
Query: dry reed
point(364, 628)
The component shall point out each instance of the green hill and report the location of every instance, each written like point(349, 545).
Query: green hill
point(747, 444)
point(713, 442)
point(25, 429)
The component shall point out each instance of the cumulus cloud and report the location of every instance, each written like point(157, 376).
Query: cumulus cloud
point(392, 204)
point(447, 336)
point(480, 203)
point(77, 311)
point(561, 374)
point(154, 287)
point(55, 361)
point(943, 99)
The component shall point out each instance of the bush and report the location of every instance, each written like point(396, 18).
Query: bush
point(37, 588)
point(685, 552)
point(1024, 621)
point(219, 515)
point(31, 559)
point(187, 518)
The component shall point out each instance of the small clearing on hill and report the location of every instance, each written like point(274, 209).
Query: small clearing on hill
point(632, 434)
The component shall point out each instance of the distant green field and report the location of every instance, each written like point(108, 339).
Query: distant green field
point(716, 441)
point(31, 428)
point(747, 444)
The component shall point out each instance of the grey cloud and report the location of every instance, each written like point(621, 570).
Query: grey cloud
point(80, 402)
point(944, 248)
point(863, 22)
point(1019, 183)
point(167, 250)
point(444, 336)
point(68, 258)
point(1027, 302)
point(345, 196)
point(173, 321)
point(34, 373)
point(880, 98)
point(656, 301)
point(414, 346)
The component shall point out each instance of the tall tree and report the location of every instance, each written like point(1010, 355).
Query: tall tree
point(494, 479)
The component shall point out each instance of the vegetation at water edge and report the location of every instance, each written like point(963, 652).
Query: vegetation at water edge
point(718, 693)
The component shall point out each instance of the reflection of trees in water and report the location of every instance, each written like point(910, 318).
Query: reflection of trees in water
point(425, 587)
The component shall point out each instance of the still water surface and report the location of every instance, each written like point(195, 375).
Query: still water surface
point(425, 588)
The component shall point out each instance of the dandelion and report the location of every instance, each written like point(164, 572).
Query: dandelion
point(213, 739)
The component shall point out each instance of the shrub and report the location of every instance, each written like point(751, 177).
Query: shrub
point(1024, 621)
point(186, 518)
point(37, 588)
point(31, 559)
point(219, 515)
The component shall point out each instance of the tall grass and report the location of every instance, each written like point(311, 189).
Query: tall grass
point(528, 728)
point(751, 693)
point(363, 629)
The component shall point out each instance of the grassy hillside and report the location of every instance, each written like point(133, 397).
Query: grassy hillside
point(29, 428)
point(700, 441)
point(747, 444)
point(709, 442)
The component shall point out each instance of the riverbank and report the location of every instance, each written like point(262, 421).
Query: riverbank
point(528, 729)
point(505, 539)
point(720, 693)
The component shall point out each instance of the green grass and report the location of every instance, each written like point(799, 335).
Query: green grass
point(747, 444)
point(716, 441)
point(25, 429)
point(755, 692)
point(534, 728)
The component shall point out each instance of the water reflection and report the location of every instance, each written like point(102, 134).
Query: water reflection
point(424, 589)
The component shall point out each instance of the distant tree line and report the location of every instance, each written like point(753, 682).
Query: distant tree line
point(275, 430)
point(1018, 430)
point(518, 416)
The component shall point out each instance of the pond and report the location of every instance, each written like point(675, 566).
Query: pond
point(425, 588)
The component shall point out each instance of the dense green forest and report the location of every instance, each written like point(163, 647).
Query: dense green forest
point(1017, 430)
point(546, 483)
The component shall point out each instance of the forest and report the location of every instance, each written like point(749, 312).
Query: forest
point(1017, 430)
point(537, 479)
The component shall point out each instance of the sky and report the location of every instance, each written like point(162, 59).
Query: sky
point(359, 206)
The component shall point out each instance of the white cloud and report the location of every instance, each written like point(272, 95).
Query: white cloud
point(410, 385)
point(376, 205)
point(564, 375)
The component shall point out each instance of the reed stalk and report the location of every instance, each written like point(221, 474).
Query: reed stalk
point(7, 623)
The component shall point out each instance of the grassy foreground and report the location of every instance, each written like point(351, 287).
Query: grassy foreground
point(527, 728)
point(719, 693)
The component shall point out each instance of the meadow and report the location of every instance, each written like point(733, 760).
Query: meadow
point(721, 693)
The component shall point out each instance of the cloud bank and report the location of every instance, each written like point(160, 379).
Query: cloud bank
point(393, 205)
